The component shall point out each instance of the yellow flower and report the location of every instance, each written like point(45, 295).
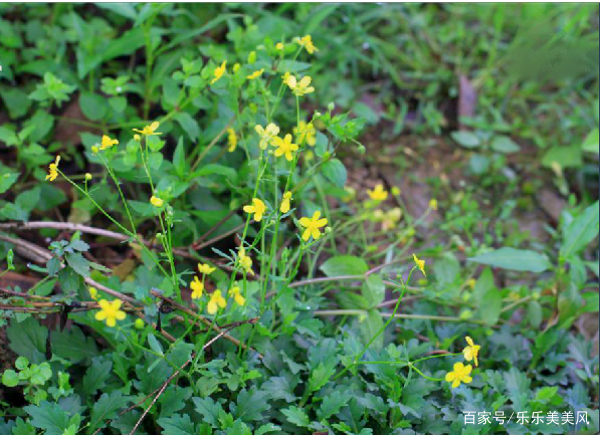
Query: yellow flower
point(107, 142)
point(471, 351)
point(279, 46)
point(266, 134)
point(256, 74)
point(433, 204)
point(216, 301)
point(285, 147)
point(258, 208)
point(312, 226)
point(232, 140)
point(110, 311)
point(53, 170)
point(307, 43)
point(245, 261)
point(301, 87)
point(420, 264)
point(285, 77)
point(460, 374)
point(156, 201)
point(206, 269)
point(237, 297)
point(197, 287)
point(379, 193)
point(93, 293)
point(306, 132)
point(285, 204)
point(219, 71)
point(149, 130)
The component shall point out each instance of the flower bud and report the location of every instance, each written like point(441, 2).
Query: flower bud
point(252, 57)
point(95, 149)
point(139, 323)
point(88, 176)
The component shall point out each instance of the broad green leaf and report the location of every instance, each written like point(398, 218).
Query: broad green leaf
point(591, 142)
point(332, 404)
point(7, 179)
point(335, 171)
point(96, 375)
point(564, 156)
point(514, 259)
point(466, 139)
point(344, 265)
point(10, 378)
point(504, 144)
point(581, 231)
point(373, 290)
point(189, 125)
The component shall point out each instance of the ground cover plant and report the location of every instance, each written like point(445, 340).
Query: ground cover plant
point(298, 218)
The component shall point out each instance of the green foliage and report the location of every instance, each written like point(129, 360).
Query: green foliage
point(189, 265)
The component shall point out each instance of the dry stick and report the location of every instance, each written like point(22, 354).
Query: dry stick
point(217, 238)
point(212, 230)
point(23, 295)
point(43, 256)
point(203, 319)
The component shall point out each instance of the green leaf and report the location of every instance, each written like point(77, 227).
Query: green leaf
point(177, 425)
point(189, 125)
point(591, 142)
point(335, 171)
point(490, 306)
point(373, 290)
point(93, 106)
point(155, 345)
point(179, 162)
point(564, 156)
point(344, 265)
point(10, 378)
point(106, 409)
point(466, 139)
point(7, 179)
point(28, 339)
point(504, 144)
point(208, 409)
point(332, 403)
point(214, 168)
point(320, 375)
point(49, 417)
point(96, 376)
point(581, 231)
point(369, 326)
point(124, 9)
point(296, 416)
point(514, 259)
point(251, 405)
point(78, 263)
point(266, 428)
point(174, 399)
point(72, 345)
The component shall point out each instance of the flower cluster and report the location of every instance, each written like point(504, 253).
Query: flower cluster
point(461, 372)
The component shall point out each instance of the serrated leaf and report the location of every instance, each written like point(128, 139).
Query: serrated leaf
point(72, 344)
point(106, 408)
point(28, 339)
point(335, 171)
point(296, 416)
point(332, 404)
point(49, 417)
point(177, 425)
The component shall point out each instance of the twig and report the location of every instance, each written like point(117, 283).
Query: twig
point(163, 387)
point(212, 230)
point(156, 293)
